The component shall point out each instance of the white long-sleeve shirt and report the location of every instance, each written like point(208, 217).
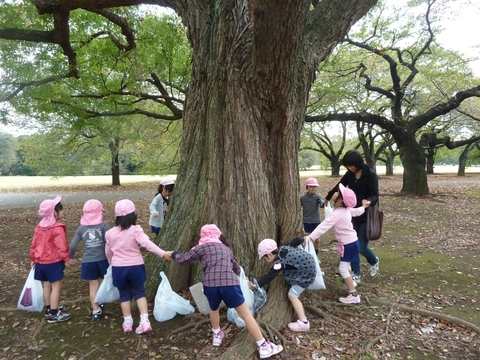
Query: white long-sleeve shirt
point(340, 220)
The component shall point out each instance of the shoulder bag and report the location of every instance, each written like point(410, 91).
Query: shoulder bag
point(374, 222)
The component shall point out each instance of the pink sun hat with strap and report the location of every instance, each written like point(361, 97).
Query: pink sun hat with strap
point(47, 211)
point(124, 207)
point(266, 246)
point(166, 182)
point(209, 233)
point(349, 197)
point(92, 213)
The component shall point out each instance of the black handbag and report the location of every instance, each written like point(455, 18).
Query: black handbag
point(374, 222)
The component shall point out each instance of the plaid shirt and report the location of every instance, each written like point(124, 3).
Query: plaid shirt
point(220, 267)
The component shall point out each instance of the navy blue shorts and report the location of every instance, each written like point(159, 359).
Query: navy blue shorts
point(129, 280)
point(155, 229)
point(49, 272)
point(94, 270)
point(351, 252)
point(309, 227)
point(232, 296)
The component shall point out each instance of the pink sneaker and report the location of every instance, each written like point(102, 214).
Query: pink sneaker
point(127, 327)
point(269, 349)
point(299, 326)
point(350, 299)
point(217, 338)
point(144, 328)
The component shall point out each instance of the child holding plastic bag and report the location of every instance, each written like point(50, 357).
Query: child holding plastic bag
point(348, 246)
point(220, 282)
point(49, 255)
point(299, 270)
point(92, 231)
point(128, 269)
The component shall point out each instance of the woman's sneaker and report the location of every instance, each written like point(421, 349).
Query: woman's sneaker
point(217, 338)
point(59, 317)
point(350, 299)
point(374, 269)
point(268, 349)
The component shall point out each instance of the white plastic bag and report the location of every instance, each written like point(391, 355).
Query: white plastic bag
point(107, 292)
point(318, 284)
point(168, 303)
point(201, 300)
point(249, 296)
point(31, 297)
point(328, 210)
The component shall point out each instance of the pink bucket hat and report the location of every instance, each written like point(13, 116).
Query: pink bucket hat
point(311, 182)
point(349, 197)
point(124, 207)
point(92, 213)
point(47, 210)
point(266, 246)
point(209, 233)
point(166, 182)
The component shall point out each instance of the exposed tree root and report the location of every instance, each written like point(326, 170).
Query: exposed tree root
point(326, 316)
point(38, 329)
point(193, 325)
point(385, 333)
point(86, 356)
point(273, 333)
point(448, 318)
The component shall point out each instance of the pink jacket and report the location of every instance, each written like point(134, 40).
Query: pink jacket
point(49, 244)
point(122, 246)
point(341, 221)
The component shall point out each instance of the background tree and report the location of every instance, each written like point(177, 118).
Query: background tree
point(8, 153)
point(403, 81)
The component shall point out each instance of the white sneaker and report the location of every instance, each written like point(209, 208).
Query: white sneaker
point(356, 278)
point(374, 269)
point(217, 338)
point(269, 349)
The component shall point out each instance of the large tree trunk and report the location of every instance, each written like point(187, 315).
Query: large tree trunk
point(430, 160)
point(242, 120)
point(115, 161)
point(462, 160)
point(413, 161)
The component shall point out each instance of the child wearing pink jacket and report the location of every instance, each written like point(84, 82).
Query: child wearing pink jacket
point(348, 246)
point(128, 269)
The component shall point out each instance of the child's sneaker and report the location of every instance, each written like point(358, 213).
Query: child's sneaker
point(144, 328)
point(350, 299)
point(357, 278)
point(59, 317)
point(217, 338)
point(268, 349)
point(127, 326)
point(374, 269)
point(60, 308)
point(96, 316)
point(299, 325)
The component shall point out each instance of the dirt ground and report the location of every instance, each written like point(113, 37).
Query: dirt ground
point(423, 305)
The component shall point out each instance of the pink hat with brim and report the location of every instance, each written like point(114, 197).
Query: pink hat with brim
point(124, 207)
point(349, 197)
point(92, 213)
point(266, 246)
point(166, 182)
point(209, 233)
point(311, 182)
point(47, 211)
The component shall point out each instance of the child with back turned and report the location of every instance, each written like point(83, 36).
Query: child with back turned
point(128, 269)
point(159, 205)
point(92, 231)
point(348, 246)
point(220, 282)
point(49, 255)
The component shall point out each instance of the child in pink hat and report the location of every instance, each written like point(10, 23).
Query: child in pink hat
point(221, 283)
point(159, 205)
point(128, 268)
point(49, 255)
point(311, 203)
point(92, 231)
point(348, 246)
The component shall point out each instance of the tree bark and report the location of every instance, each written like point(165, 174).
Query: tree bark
point(114, 151)
point(413, 160)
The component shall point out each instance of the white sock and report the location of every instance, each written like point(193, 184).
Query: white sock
point(97, 312)
point(260, 342)
point(216, 331)
point(128, 319)
point(143, 319)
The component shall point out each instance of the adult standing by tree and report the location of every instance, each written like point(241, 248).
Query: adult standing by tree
point(364, 182)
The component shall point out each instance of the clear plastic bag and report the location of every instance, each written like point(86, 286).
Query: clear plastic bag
point(249, 296)
point(107, 292)
point(259, 296)
point(168, 303)
point(318, 284)
point(31, 297)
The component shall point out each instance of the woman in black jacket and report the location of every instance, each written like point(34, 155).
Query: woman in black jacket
point(364, 182)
